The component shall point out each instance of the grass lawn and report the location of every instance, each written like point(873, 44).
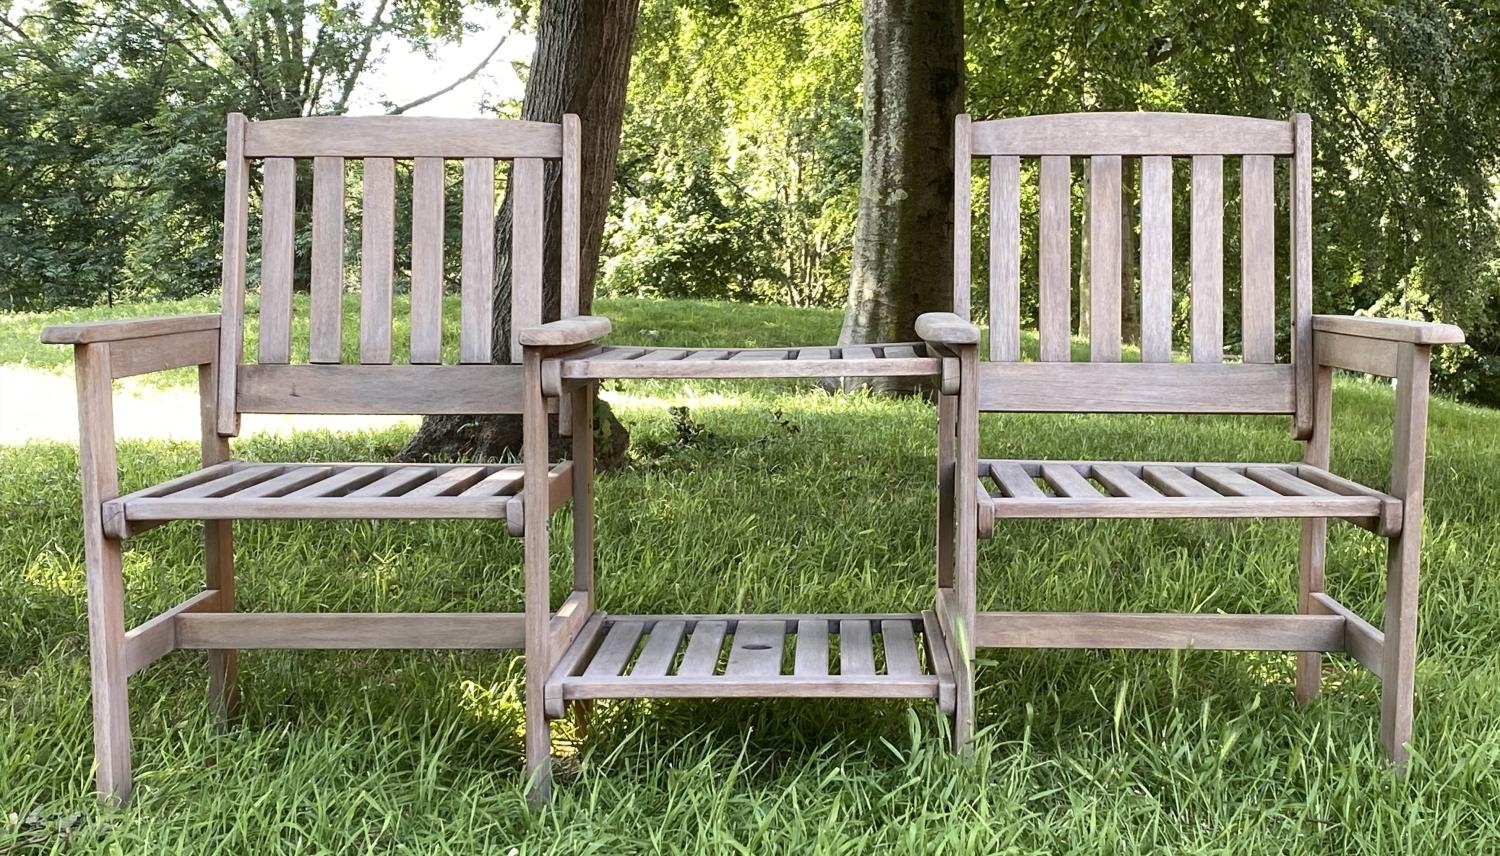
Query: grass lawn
point(791, 500)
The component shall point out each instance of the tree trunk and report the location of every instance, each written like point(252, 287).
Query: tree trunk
point(903, 237)
point(581, 65)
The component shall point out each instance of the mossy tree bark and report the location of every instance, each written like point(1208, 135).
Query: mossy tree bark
point(581, 65)
point(903, 241)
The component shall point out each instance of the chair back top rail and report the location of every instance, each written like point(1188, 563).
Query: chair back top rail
point(289, 152)
point(1127, 165)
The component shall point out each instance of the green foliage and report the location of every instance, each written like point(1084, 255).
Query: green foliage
point(1081, 751)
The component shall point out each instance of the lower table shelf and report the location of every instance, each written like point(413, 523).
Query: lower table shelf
point(754, 656)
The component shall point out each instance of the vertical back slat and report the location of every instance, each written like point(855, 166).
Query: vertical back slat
point(963, 146)
point(278, 228)
point(1104, 259)
point(571, 216)
point(377, 249)
point(232, 284)
point(476, 316)
point(1005, 258)
point(1258, 258)
point(526, 249)
point(1156, 259)
point(1301, 243)
point(427, 261)
point(327, 311)
point(1208, 258)
point(1054, 258)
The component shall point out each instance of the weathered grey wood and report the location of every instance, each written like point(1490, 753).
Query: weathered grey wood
point(856, 648)
point(1015, 482)
point(1390, 521)
point(573, 660)
point(376, 261)
point(937, 659)
point(503, 482)
point(103, 575)
point(559, 491)
point(1123, 483)
point(1160, 630)
point(1005, 258)
point(571, 215)
point(1356, 353)
point(476, 322)
point(1389, 329)
point(379, 389)
point(1208, 259)
point(232, 282)
point(901, 659)
point(1054, 225)
point(339, 483)
point(384, 630)
point(536, 567)
point(707, 355)
point(812, 648)
point(278, 228)
point(395, 483)
point(427, 261)
point(1067, 481)
point(157, 637)
point(1361, 641)
point(567, 623)
point(615, 651)
point(1172, 481)
point(583, 490)
point(1312, 548)
point(1230, 483)
point(855, 361)
point(939, 327)
point(759, 686)
point(128, 328)
point(129, 357)
point(1156, 259)
point(526, 249)
point(566, 331)
point(701, 659)
point(218, 557)
point(1404, 553)
point(1258, 258)
point(660, 649)
point(1285, 483)
point(963, 282)
point(450, 483)
point(813, 354)
point(326, 310)
point(294, 478)
point(1301, 251)
point(402, 137)
point(756, 649)
point(1137, 388)
point(1104, 258)
point(237, 480)
point(1131, 133)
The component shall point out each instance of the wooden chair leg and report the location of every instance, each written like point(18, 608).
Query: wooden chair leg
point(223, 668)
point(538, 586)
point(1311, 562)
point(1398, 666)
point(582, 417)
point(106, 608)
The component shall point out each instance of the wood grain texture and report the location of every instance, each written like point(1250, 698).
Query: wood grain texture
point(1104, 258)
point(1258, 259)
point(943, 327)
point(377, 261)
point(660, 650)
point(157, 637)
point(1054, 255)
point(128, 328)
point(812, 648)
point(402, 137)
point(1139, 133)
point(701, 659)
point(856, 649)
point(1160, 630)
point(1005, 258)
point(427, 233)
point(1404, 553)
point(278, 230)
point(578, 330)
point(1136, 388)
point(350, 630)
point(232, 282)
point(1208, 259)
point(393, 390)
point(1389, 329)
point(326, 312)
point(1156, 259)
point(963, 282)
point(572, 217)
point(476, 316)
point(755, 651)
point(1357, 353)
point(527, 232)
point(130, 357)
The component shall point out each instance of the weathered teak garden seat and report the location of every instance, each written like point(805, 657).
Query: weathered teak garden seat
point(987, 492)
point(378, 377)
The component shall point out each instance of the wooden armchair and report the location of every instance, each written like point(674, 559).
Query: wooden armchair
point(375, 381)
point(978, 495)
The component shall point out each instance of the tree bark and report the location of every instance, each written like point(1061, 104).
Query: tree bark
point(903, 239)
point(581, 65)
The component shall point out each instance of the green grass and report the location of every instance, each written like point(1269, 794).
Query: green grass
point(794, 500)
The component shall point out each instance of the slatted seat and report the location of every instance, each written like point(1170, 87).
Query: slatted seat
point(1105, 489)
point(1132, 163)
point(741, 656)
point(483, 370)
point(617, 361)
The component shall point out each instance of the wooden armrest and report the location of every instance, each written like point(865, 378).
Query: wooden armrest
point(128, 328)
point(1389, 329)
point(568, 331)
point(946, 328)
